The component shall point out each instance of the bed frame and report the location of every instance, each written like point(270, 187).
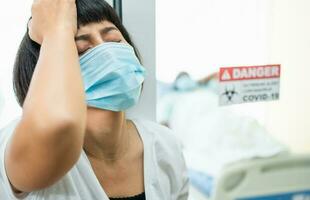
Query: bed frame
point(285, 177)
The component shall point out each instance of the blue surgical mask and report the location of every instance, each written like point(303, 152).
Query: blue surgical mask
point(112, 76)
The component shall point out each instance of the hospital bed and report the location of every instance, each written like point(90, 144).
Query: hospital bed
point(285, 177)
point(263, 170)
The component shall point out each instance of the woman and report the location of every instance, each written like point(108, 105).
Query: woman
point(64, 148)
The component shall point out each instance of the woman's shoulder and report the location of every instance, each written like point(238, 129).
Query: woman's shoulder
point(161, 136)
point(164, 152)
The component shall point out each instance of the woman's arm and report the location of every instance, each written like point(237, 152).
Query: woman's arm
point(49, 138)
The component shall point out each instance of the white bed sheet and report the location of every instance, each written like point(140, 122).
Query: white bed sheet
point(212, 136)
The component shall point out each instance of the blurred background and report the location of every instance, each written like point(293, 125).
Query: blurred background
point(200, 36)
point(229, 149)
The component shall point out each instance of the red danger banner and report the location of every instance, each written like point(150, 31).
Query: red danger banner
point(250, 72)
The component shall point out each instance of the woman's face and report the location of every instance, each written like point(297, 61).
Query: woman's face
point(93, 34)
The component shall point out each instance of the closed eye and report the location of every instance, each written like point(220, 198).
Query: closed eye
point(82, 52)
point(117, 41)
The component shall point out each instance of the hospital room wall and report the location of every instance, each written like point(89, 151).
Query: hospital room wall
point(289, 119)
point(139, 19)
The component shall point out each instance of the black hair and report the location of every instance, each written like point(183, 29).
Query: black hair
point(88, 11)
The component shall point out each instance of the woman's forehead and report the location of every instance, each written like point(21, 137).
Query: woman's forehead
point(95, 26)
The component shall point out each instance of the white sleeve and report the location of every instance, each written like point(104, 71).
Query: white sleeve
point(184, 189)
point(6, 191)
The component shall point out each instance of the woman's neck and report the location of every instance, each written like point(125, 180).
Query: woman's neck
point(107, 136)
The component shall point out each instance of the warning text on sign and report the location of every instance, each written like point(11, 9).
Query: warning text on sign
point(249, 84)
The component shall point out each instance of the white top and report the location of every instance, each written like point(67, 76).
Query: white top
point(165, 174)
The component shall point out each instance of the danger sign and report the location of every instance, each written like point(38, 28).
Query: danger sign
point(249, 84)
point(248, 73)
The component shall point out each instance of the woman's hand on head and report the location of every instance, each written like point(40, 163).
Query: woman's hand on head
point(58, 134)
point(50, 17)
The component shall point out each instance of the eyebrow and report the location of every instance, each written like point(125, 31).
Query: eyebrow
point(103, 31)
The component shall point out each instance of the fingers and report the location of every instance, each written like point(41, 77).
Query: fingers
point(51, 15)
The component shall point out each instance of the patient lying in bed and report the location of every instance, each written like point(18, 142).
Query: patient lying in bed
point(212, 136)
